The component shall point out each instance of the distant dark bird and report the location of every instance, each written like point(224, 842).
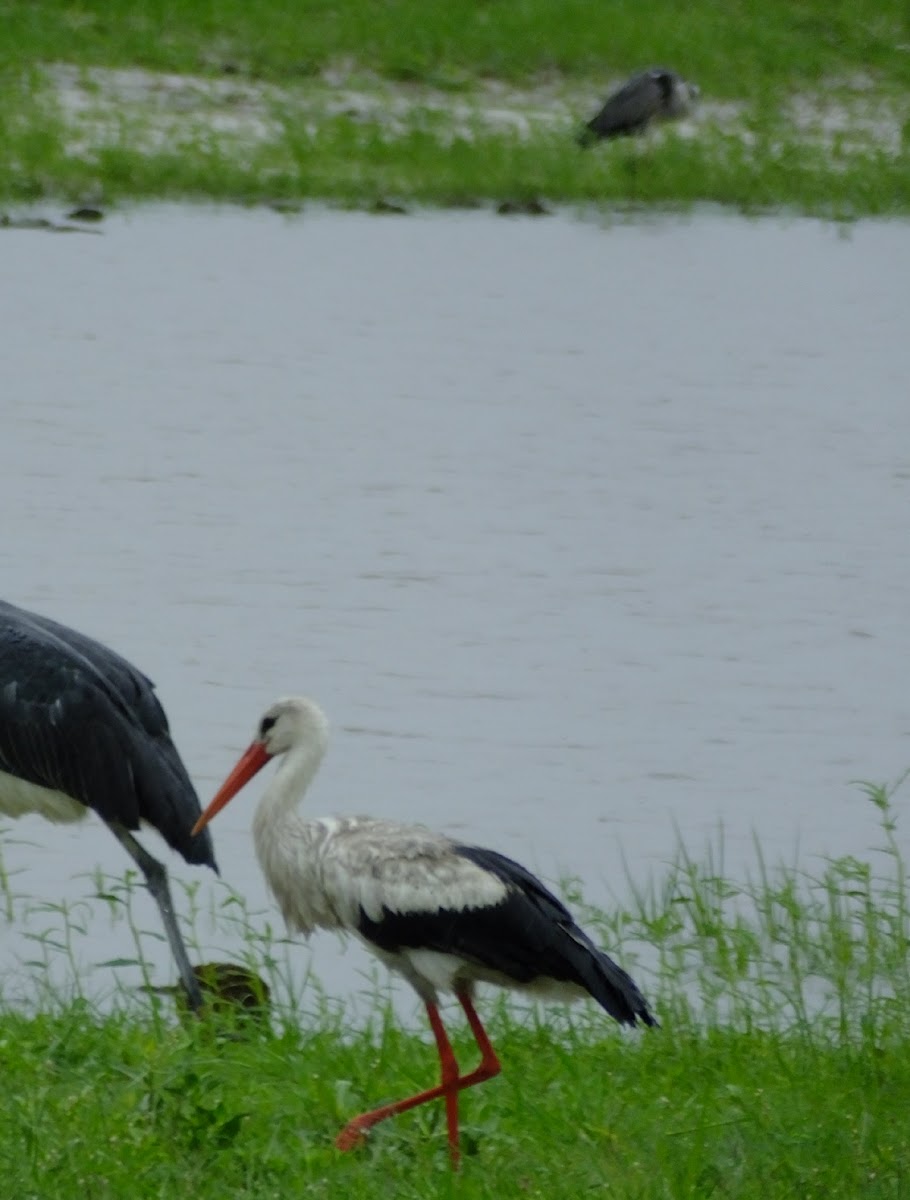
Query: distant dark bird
point(444, 915)
point(653, 95)
point(226, 988)
point(80, 729)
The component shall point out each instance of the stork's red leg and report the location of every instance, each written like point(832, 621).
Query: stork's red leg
point(490, 1065)
point(353, 1133)
point(452, 1083)
point(449, 1070)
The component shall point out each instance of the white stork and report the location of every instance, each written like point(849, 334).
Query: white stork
point(80, 729)
point(444, 915)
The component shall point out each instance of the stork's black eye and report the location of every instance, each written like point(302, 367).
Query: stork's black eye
point(266, 724)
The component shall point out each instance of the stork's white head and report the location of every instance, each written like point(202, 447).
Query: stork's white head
point(292, 721)
point(291, 724)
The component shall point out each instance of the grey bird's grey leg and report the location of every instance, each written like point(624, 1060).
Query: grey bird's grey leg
point(156, 882)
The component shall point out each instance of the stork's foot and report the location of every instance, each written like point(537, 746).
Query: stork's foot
point(353, 1136)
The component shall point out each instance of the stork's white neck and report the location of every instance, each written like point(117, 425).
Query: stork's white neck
point(296, 770)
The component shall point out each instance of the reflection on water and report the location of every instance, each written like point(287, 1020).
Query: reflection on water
point(581, 533)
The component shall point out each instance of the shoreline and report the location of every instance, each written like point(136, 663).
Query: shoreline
point(100, 136)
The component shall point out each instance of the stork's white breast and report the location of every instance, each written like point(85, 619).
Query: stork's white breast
point(324, 873)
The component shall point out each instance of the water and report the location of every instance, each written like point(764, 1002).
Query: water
point(582, 533)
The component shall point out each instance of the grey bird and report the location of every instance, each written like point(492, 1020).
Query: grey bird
point(653, 95)
point(82, 729)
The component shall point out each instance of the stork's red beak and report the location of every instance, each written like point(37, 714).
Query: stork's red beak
point(252, 760)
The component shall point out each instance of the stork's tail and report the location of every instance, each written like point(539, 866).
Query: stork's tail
point(619, 995)
point(612, 987)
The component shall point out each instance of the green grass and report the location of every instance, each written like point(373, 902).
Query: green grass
point(120, 1108)
point(782, 1067)
point(735, 48)
point(361, 165)
point(286, 66)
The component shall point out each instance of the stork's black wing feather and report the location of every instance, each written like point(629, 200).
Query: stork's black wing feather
point(78, 718)
point(529, 935)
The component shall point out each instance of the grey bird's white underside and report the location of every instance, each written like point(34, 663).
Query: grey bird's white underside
point(18, 797)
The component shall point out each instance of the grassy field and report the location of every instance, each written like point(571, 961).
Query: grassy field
point(120, 1108)
point(805, 105)
point(737, 49)
point(782, 1068)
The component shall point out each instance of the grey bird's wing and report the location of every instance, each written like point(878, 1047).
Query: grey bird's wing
point(629, 109)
